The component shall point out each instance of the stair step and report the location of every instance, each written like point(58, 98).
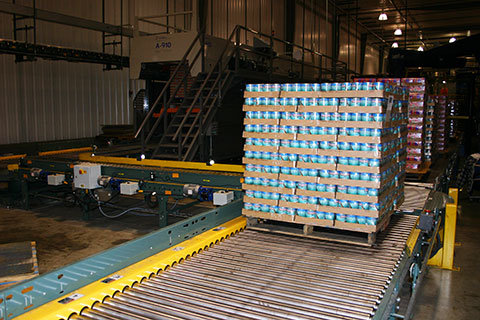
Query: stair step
point(168, 145)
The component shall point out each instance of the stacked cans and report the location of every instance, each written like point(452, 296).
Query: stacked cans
point(325, 154)
point(441, 134)
point(418, 125)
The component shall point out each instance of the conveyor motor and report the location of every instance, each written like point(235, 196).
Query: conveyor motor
point(196, 191)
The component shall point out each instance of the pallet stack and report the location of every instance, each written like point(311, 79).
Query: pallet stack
point(430, 126)
point(416, 123)
point(330, 155)
point(441, 134)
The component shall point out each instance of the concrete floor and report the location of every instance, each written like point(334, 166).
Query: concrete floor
point(446, 295)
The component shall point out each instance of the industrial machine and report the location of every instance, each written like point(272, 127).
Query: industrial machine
point(212, 266)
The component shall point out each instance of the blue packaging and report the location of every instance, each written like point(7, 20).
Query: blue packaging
point(248, 206)
point(307, 116)
point(304, 144)
point(333, 101)
point(371, 221)
point(267, 195)
point(322, 130)
point(325, 87)
point(321, 102)
point(304, 157)
point(267, 142)
point(355, 146)
point(335, 86)
point(344, 175)
point(313, 144)
point(364, 176)
point(353, 161)
point(315, 116)
point(294, 144)
point(273, 183)
point(364, 117)
point(373, 192)
point(363, 162)
point(304, 172)
point(332, 130)
point(342, 160)
point(353, 102)
point(256, 154)
point(312, 172)
point(363, 132)
point(334, 116)
point(365, 147)
point(324, 174)
point(282, 210)
point(294, 198)
point(249, 180)
point(364, 205)
point(275, 156)
point(374, 206)
point(331, 159)
point(313, 158)
point(292, 157)
point(354, 117)
point(311, 214)
point(313, 130)
point(290, 184)
point(331, 188)
point(332, 145)
point(285, 197)
point(333, 174)
point(344, 203)
point(302, 199)
point(285, 170)
point(302, 212)
point(374, 163)
point(295, 171)
point(328, 215)
point(354, 175)
point(291, 211)
point(325, 116)
point(266, 155)
point(362, 191)
point(342, 189)
point(343, 146)
point(352, 190)
point(251, 87)
point(343, 102)
point(264, 182)
point(343, 116)
point(258, 194)
point(375, 177)
point(267, 169)
point(249, 128)
point(324, 145)
point(321, 159)
point(376, 132)
point(274, 209)
point(353, 204)
point(342, 131)
point(351, 219)
point(323, 201)
point(361, 220)
point(340, 217)
point(257, 128)
point(315, 87)
point(302, 185)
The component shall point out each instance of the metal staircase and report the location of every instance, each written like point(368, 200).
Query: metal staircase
point(185, 125)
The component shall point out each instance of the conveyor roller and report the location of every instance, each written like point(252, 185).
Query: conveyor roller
point(258, 275)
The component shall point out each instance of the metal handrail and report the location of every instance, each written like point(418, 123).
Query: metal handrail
point(167, 85)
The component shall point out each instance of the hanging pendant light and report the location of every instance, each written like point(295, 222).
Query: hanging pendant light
point(383, 17)
point(398, 32)
point(395, 45)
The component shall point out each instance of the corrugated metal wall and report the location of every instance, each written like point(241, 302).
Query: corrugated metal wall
point(49, 100)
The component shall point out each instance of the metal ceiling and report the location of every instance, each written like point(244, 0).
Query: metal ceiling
point(428, 23)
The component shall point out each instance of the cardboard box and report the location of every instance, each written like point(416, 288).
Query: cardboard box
point(268, 216)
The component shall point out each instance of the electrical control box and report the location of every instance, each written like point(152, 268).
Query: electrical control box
point(85, 175)
point(222, 197)
point(55, 179)
point(129, 188)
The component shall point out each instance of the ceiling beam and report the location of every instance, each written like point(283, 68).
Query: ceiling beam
point(434, 7)
point(64, 19)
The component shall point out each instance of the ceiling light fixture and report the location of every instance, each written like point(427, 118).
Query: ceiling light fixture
point(395, 45)
point(398, 32)
point(383, 17)
point(452, 39)
point(420, 48)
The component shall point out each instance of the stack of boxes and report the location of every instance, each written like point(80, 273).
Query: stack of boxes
point(430, 126)
point(452, 111)
point(416, 122)
point(330, 154)
point(441, 127)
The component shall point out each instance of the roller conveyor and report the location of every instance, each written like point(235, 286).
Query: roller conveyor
point(259, 275)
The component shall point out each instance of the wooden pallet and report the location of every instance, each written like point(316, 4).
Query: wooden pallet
point(18, 262)
point(328, 230)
